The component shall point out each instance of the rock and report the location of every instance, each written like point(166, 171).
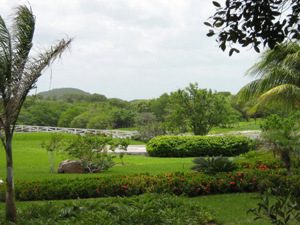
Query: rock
point(69, 166)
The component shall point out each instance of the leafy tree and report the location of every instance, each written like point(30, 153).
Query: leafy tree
point(148, 126)
point(81, 120)
point(43, 113)
point(101, 121)
point(66, 117)
point(277, 81)
point(96, 98)
point(259, 22)
point(141, 106)
point(200, 109)
point(19, 72)
point(122, 117)
point(159, 107)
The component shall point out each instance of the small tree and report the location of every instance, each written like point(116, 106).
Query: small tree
point(200, 109)
point(19, 72)
point(51, 148)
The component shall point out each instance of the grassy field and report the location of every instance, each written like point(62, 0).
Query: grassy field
point(31, 161)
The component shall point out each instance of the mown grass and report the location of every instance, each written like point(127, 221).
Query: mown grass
point(240, 126)
point(31, 161)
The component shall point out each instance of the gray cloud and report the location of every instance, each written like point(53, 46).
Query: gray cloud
point(133, 49)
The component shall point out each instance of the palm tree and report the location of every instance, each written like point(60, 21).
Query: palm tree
point(277, 78)
point(19, 72)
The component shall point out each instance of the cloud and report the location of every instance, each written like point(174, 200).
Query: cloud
point(133, 49)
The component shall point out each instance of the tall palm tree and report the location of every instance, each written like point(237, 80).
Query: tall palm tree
point(277, 78)
point(19, 72)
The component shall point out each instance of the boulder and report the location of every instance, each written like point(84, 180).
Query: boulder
point(70, 166)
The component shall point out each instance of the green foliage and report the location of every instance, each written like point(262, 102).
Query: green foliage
point(282, 138)
point(67, 117)
point(145, 209)
point(199, 109)
point(285, 211)
point(148, 127)
point(59, 92)
point(53, 145)
point(194, 146)
point(237, 23)
point(214, 165)
point(91, 149)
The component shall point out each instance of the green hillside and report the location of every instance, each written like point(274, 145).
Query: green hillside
point(58, 92)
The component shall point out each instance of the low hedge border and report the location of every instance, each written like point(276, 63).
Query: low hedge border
point(195, 146)
point(190, 184)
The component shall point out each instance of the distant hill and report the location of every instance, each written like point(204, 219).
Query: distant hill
point(58, 92)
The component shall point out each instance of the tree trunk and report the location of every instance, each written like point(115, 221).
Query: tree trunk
point(11, 209)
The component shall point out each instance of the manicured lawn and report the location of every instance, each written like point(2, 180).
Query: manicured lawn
point(31, 161)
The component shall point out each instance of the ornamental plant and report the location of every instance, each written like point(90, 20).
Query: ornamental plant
point(213, 165)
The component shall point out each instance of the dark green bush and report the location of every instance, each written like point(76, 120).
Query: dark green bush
point(195, 146)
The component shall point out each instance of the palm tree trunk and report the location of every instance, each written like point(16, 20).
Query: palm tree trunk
point(11, 209)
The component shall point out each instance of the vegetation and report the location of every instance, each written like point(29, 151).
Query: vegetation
point(277, 81)
point(91, 149)
point(238, 23)
point(193, 146)
point(213, 165)
point(198, 109)
point(19, 74)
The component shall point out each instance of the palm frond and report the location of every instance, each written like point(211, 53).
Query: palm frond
point(287, 95)
point(22, 34)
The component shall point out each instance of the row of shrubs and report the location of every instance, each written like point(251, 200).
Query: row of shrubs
point(195, 146)
point(190, 184)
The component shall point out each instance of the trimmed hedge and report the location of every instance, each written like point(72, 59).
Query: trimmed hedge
point(189, 184)
point(195, 146)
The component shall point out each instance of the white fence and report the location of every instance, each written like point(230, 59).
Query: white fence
point(114, 133)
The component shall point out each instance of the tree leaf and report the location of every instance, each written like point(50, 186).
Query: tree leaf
point(207, 24)
point(216, 4)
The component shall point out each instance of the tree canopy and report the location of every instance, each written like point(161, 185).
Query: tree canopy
point(254, 22)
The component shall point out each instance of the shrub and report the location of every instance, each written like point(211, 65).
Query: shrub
point(214, 165)
point(145, 209)
point(92, 150)
point(194, 146)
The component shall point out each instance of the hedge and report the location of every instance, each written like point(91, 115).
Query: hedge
point(195, 146)
point(190, 184)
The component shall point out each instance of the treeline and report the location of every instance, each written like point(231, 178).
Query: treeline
point(189, 109)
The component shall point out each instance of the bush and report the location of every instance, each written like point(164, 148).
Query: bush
point(195, 146)
point(190, 184)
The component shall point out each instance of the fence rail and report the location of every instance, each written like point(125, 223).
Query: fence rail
point(114, 133)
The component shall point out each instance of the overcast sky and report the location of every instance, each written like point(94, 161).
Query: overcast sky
point(134, 49)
